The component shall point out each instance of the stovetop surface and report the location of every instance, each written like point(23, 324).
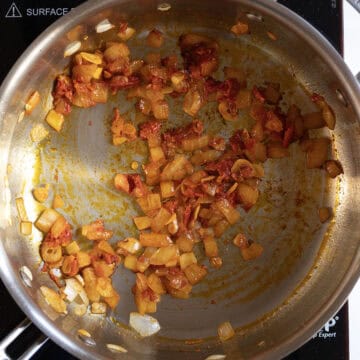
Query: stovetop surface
point(21, 21)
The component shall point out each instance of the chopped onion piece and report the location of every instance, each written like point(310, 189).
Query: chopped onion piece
point(20, 205)
point(317, 152)
point(175, 169)
point(216, 357)
point(33, 100)
point(195, 143)
point(98, 308)
point(41, 193)
point(47, 219)
point(240, 28)
point(73, 289)
point(130, 245)
point(126, 34)
point(55, 120)
point(252, 252)
point(53, 299)
point(26, 227)
point(155, 38)
point(225, 331)
point(230, 213)
point(324, 214)
point(103, 26)
point(240, 163)
point(149, 202)
point(155, 240)
point(333, 168)
point(145, 325)
point(80, 279)
point(72, 48)
point(142, 222)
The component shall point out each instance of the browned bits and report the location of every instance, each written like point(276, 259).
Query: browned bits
point(216, 262)
point(240, 241)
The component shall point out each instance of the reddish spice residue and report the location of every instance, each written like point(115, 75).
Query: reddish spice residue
point(241, 140)
point(119, 82)
point(136, 185)
point(62, 239)
point(316, 97)
point(54, 278)
point(148, 128)
point(122, 27)
point(63, 94)
point(258, 94)
point(174, 137)
point(222, 167)
point(229, 89)
point(211, 85)
point(171, 205)
point(288, 135)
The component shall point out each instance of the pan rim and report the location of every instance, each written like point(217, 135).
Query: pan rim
point(284, 16)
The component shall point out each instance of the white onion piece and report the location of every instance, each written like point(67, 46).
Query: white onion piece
point(73, 288)
point(145, 325)
point(80, 279)
point(103, 26)
point(72, 48)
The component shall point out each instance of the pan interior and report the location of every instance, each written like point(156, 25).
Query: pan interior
point(80, 163)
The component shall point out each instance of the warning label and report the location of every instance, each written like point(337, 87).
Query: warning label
point(13, 12)
point(47, 11)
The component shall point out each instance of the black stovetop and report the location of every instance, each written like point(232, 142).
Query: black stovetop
point(21, 21)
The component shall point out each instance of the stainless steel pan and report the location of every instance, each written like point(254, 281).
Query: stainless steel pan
point(277, 302)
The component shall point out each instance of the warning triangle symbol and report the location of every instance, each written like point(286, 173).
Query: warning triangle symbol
point(13, 12)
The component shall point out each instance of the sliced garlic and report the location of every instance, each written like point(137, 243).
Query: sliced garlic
point(103, 26)
point(116, 348)
point(216, 357)
point(72, 48)
point(84, 332)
